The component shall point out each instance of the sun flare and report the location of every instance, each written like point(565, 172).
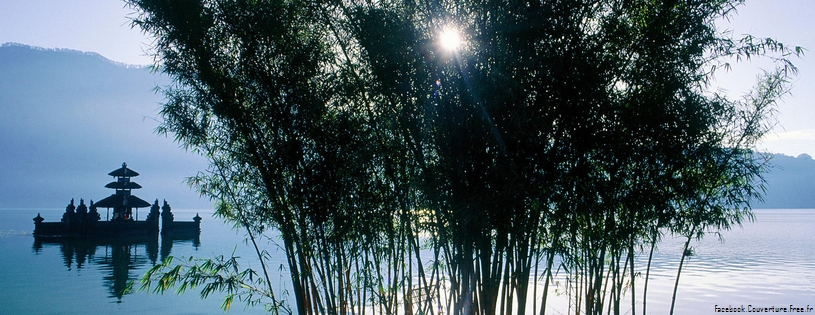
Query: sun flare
point(450, 39)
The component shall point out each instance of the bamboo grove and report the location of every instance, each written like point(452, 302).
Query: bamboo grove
point(402, 177)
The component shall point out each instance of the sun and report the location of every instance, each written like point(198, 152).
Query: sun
point(450, 39)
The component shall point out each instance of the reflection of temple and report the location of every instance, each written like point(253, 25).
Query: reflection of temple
point(85, 222)
point(129, 244)
point(121, 261)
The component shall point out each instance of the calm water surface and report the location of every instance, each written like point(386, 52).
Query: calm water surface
point(55, 277)
point(768, 263)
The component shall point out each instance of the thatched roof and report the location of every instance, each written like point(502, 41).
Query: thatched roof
point(113, 201)
point(123, 172)
point(123, 185)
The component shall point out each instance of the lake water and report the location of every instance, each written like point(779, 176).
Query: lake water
point(86, 277)
point(768, 263)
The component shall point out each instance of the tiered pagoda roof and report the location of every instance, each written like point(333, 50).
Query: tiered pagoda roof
point(113, 201)
point(123, 186)
point(123, 172)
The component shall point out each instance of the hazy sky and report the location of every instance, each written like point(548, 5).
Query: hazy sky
point(103, 26)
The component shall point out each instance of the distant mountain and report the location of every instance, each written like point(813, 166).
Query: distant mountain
point(67, 118)
point(790, 183)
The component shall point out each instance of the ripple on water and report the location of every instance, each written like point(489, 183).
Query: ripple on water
point(13, 233)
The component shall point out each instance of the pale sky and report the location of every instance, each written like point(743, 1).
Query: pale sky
point(103, 26)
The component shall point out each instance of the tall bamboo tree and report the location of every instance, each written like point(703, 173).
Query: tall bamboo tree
point(403, 175)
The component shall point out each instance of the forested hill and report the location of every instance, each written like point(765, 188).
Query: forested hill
point(67, 118)
point(790, 183)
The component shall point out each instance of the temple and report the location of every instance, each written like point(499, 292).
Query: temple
point(123, 201)
point(85, 222)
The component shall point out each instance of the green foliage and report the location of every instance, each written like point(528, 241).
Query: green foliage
point(403, 177)
point(213, 275)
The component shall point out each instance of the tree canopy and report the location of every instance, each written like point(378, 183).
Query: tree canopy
point(406, 175)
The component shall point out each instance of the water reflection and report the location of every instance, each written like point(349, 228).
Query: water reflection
point(121, 261)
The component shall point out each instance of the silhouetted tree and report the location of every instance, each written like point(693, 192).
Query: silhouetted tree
point(403, 175)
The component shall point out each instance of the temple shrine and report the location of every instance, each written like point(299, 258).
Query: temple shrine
point(123, 201)
point(85, 221)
